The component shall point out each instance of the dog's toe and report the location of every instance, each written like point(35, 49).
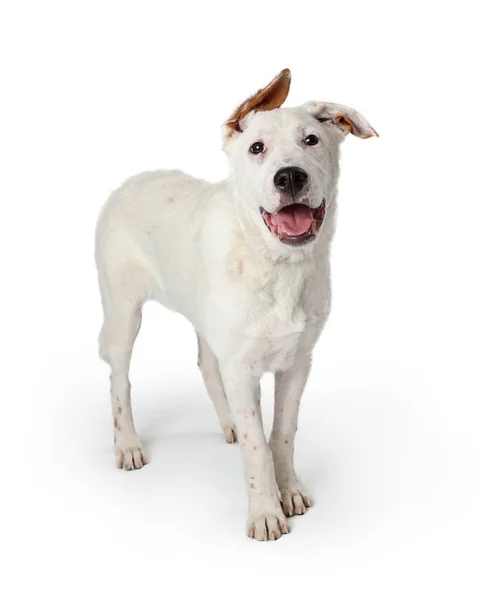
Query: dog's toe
point(230, 434)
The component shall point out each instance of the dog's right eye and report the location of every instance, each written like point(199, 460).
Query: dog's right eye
point(257, 148)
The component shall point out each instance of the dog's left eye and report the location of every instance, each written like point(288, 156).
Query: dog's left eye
point(257, 148)
point(311, 140)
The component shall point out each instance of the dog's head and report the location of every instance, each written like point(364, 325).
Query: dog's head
point(284, 162)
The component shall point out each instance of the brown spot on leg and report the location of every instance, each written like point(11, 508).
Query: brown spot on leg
point(169, 200)
point(286, 441)
point(245, 435)
point(252, 486)
point(253, 413)
point(255, 448)
point(120, 410)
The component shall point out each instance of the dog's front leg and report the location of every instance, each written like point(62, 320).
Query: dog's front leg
point(266, 520)
point(289, 387)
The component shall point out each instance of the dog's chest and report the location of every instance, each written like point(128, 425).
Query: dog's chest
point(270, 312)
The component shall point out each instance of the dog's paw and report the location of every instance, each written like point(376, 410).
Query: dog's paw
point(294, 501)
point(268, 526)
point(266, 522)
point(229, 432)
point(129, 454)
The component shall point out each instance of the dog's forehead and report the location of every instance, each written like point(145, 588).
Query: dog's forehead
point(279, 120)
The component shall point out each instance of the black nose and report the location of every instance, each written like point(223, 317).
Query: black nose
point(290, 179)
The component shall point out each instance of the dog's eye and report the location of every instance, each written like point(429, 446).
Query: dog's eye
point(311, 140)
point(257, 148)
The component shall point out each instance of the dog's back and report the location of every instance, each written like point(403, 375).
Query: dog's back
point(146, 235)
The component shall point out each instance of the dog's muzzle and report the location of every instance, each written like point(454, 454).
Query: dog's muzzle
point(295, 224)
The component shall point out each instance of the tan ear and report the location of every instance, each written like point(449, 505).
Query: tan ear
point(347, 120)
point(268, 98)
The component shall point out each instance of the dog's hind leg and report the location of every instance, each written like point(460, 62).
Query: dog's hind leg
point(121, 325)
point(208, 366)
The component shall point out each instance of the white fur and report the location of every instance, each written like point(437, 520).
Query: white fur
point(256, 304)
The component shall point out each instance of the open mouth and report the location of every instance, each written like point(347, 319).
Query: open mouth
point(296, 224)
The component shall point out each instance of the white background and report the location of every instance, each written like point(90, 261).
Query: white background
point(388, 442)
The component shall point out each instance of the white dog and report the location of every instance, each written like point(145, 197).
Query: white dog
point(246, 261)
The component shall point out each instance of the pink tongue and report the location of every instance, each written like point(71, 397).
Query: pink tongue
point(295, 219)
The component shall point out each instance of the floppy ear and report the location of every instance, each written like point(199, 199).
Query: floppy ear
point(344, 119)
point(268, 98)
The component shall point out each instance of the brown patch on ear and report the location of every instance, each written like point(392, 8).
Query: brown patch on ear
point(344, 119)
point(268, 98)
point(348, 126)
point(345, 124)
